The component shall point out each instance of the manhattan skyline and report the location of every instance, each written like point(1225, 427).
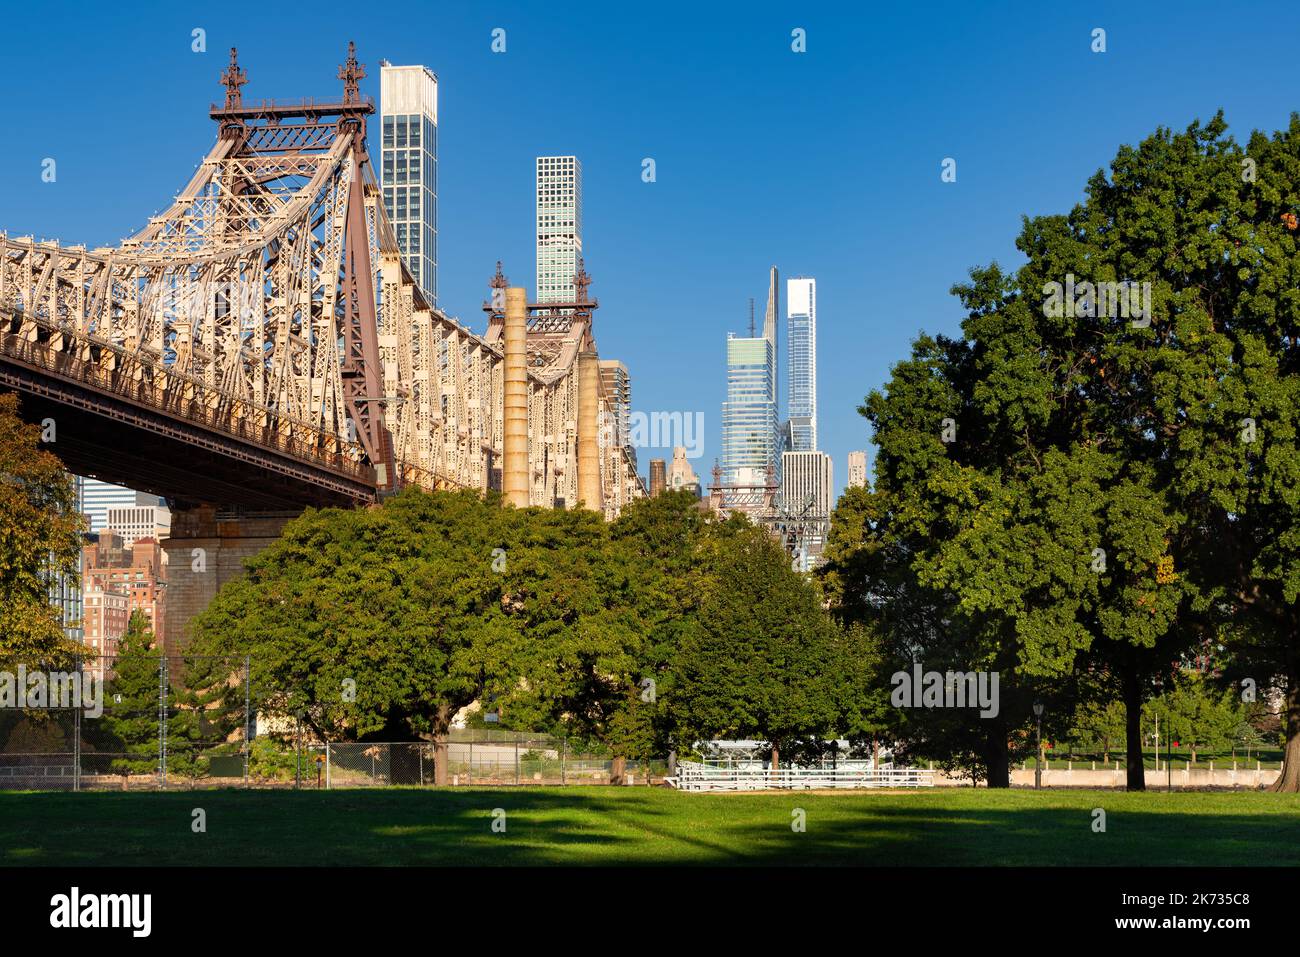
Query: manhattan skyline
point(855, 199)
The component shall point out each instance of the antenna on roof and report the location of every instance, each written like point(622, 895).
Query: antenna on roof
point(751, 317)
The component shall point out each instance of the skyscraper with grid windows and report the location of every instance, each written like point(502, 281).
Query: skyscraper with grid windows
point(408, 101)
point(559, 227)
point(801, 344)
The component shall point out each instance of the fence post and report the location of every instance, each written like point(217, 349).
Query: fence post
point(247, 716)
point(76, 736)
point(469, 773)
point(162, 720)
point(516, 757)
point(327, 765)
point(564, 748)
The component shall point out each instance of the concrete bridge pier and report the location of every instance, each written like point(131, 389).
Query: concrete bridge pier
point(206, 549)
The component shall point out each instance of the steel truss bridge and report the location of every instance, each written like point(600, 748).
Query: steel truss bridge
point(261, 344)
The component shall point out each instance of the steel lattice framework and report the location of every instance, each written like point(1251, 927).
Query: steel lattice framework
point(267, 312)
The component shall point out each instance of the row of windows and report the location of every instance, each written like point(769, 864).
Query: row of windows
point(409, 202)
point(403, 166)
point(410, 130)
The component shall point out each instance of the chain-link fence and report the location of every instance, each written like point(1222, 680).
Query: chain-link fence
point(137, 722)
point(475, 757)
point(128, 722)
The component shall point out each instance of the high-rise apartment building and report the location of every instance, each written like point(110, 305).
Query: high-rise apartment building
point(801, 364)
point(616, 385)
point(857, 469)
point(806, 489)
point(559, 227)
point(751, 437)
point(408, 103)
point(108, 612)
point(109, 565)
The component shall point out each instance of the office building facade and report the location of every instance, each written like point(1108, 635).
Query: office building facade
point(807, 487)
point(408, 102)
point(559, 227)
point(134, 522)
point(98, 497)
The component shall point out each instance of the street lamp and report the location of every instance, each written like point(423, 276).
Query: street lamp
point(1038, 764)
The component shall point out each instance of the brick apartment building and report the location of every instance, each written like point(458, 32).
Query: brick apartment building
point(135, 572)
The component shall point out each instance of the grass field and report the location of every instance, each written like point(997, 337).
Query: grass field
point(643, 826)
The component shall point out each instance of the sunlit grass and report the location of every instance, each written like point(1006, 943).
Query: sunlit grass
point(649, 826)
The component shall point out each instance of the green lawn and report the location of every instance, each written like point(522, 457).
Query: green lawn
point(638, 826)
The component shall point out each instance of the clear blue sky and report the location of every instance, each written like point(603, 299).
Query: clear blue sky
point(824, 163)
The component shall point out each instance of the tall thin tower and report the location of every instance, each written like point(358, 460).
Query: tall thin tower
point(801, 342)
point(559, 227)
point(408, 100)
point(751, 450)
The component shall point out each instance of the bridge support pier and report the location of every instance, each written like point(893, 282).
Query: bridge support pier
point(206, 549)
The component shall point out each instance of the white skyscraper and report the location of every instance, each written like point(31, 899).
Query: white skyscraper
point(408, 101)
point(801, 341)
point(559, 227)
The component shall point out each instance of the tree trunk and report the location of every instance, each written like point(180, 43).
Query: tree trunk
point(997, 758)
point(1288, 782)
point(1137, 780)
point(617, 770)
point(441, 753)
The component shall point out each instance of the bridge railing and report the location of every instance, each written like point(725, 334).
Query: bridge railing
point(693, 776)
point(163, 390)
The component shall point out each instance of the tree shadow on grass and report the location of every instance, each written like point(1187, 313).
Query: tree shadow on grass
point(624, 826)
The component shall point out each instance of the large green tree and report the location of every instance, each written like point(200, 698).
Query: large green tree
point(40, 536)
point(372, 623)
point(1096, 476)
point(761, 658)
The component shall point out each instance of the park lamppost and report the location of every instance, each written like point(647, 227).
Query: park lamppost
point(1038, 763)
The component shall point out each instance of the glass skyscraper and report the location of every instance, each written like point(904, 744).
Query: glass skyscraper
point(559, 227)
point(751, 436)
point(801, 341)
point(408, 101)
point(749, 430)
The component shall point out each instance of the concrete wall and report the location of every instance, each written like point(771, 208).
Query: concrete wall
point(1084, 776)
point(224, 543)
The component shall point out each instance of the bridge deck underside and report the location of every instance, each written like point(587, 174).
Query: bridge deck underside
point(118, 441)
